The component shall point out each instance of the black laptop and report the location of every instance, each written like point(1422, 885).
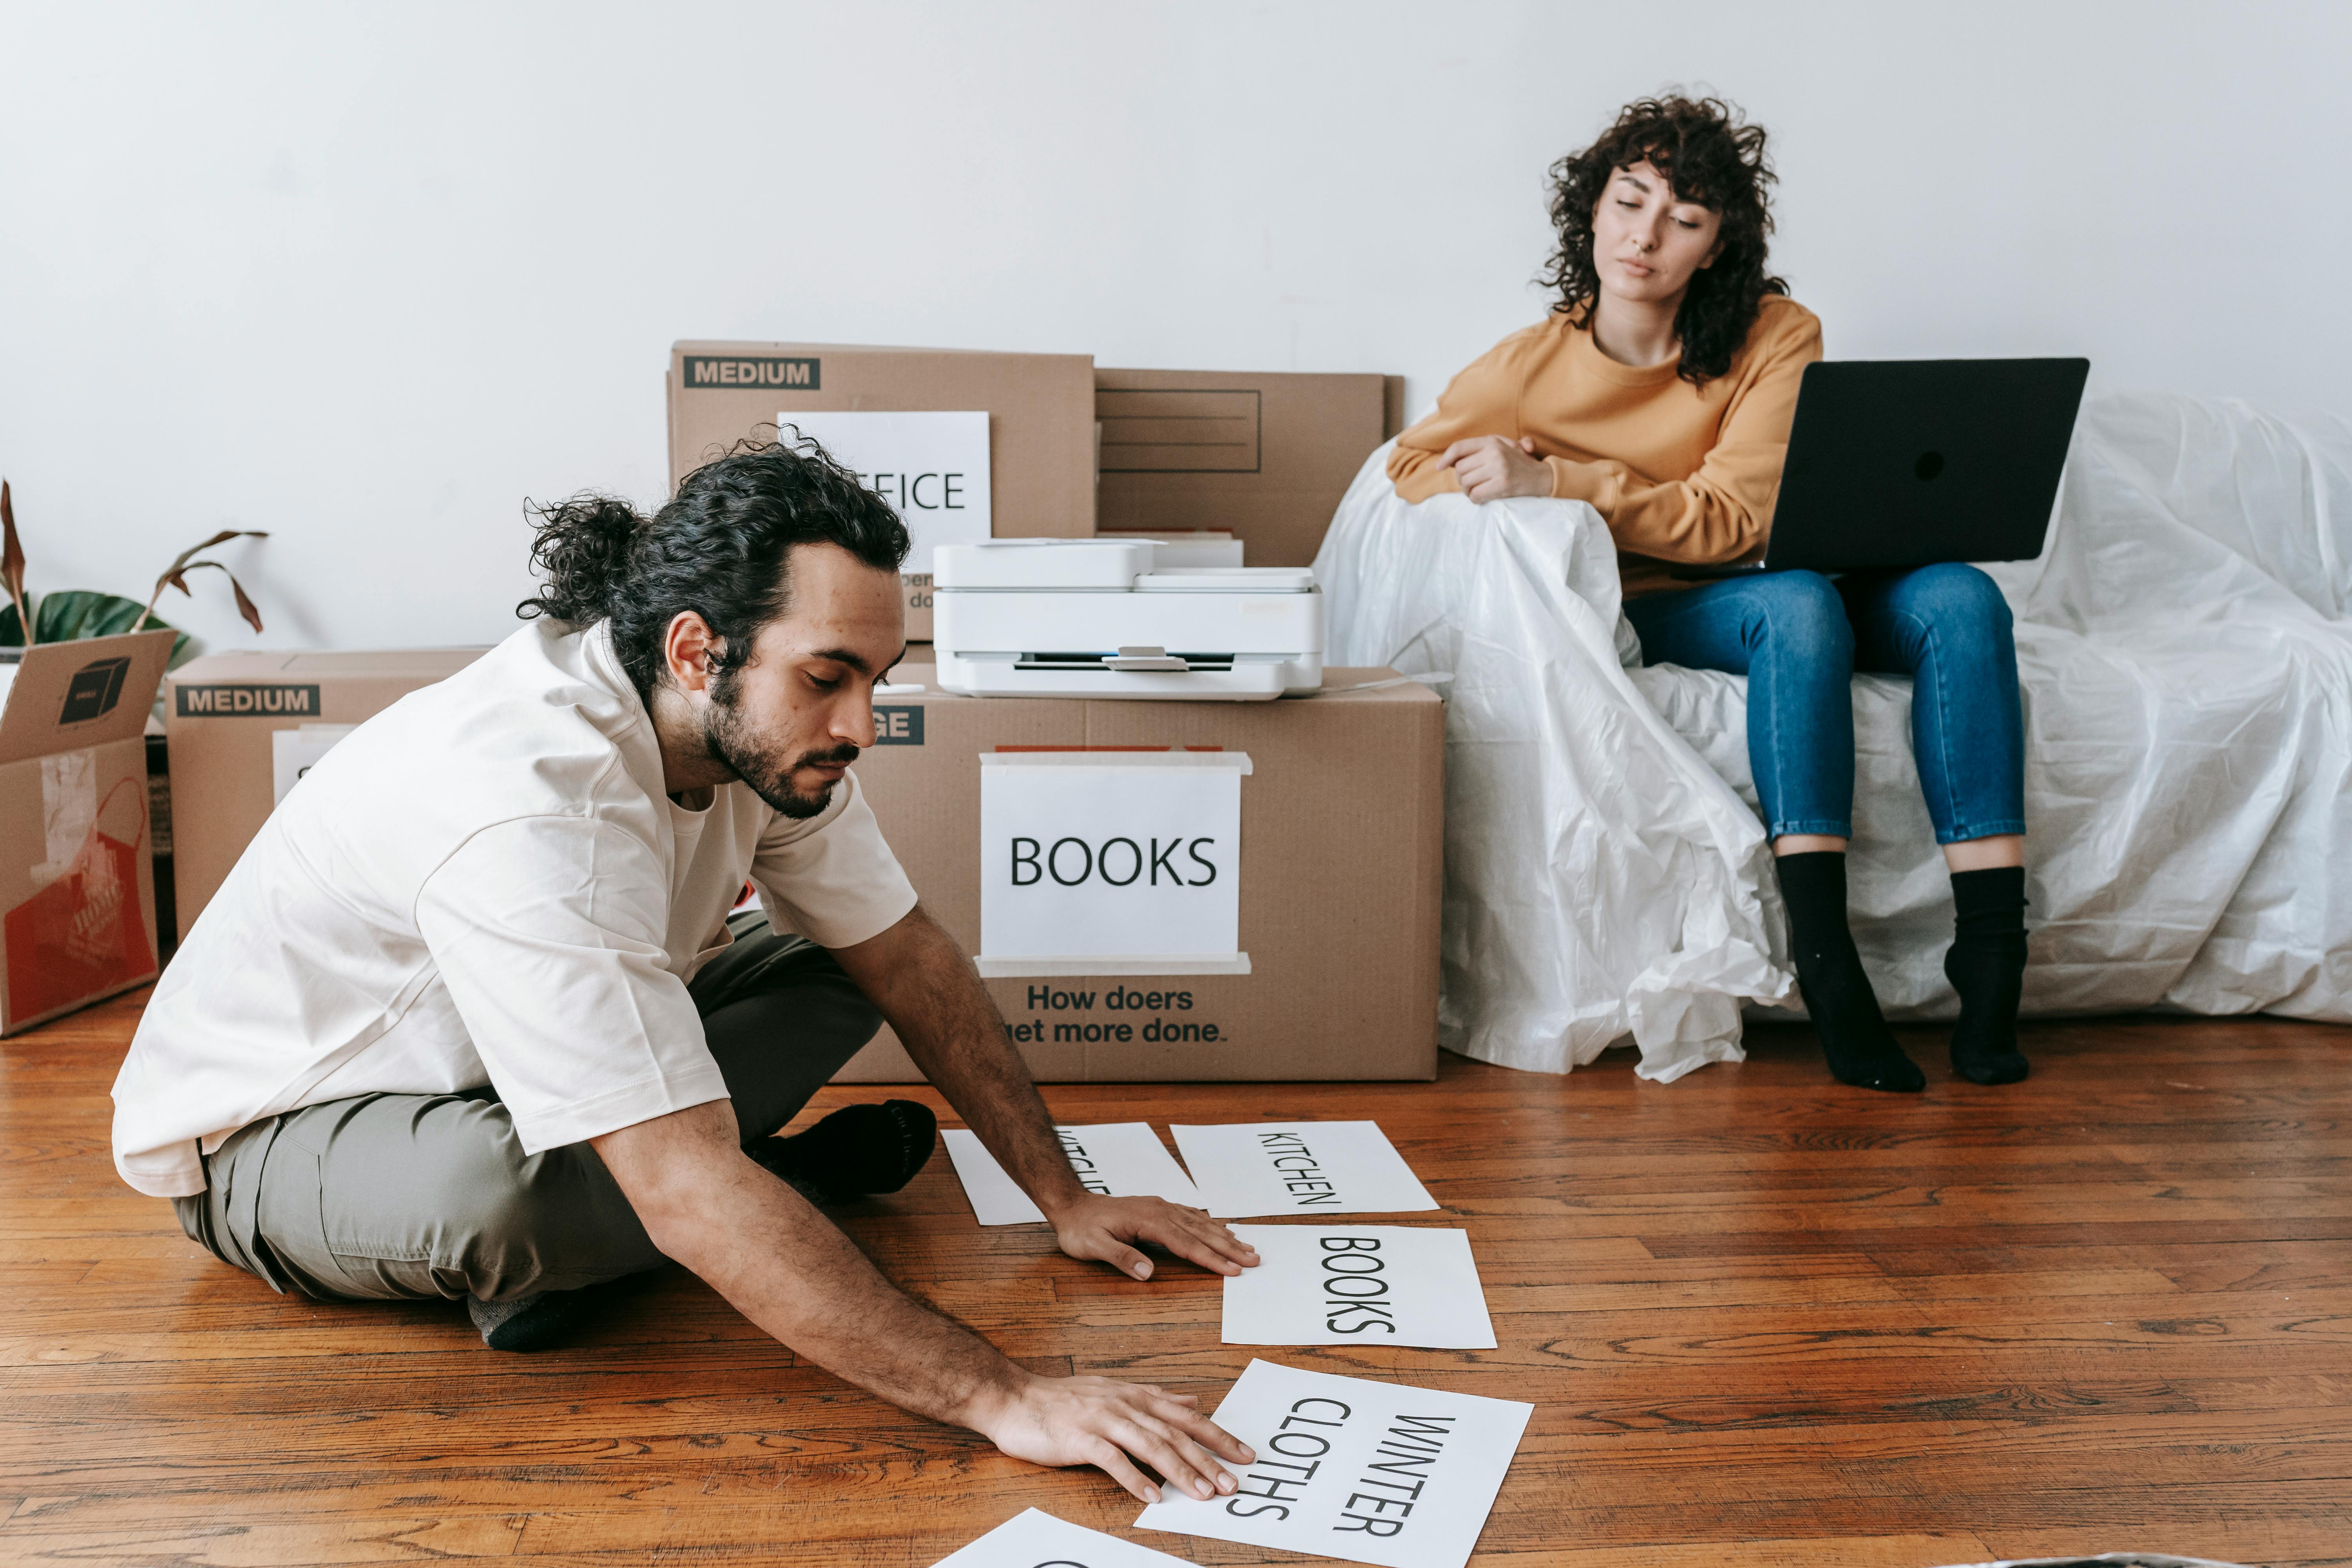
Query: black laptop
point(1899, 463)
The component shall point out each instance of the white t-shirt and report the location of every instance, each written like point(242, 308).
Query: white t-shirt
point(483, 884)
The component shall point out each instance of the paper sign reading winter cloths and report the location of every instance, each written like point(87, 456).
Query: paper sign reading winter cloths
point(1346, 1468)
point(1034, 1540)
point(1119, 1160)
point(1370, 1284)
point(1299, 1168)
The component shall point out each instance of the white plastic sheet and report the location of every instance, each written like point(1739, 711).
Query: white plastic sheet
point(2185, 648)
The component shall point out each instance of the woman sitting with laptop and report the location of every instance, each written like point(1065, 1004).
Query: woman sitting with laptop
point(1661, 390)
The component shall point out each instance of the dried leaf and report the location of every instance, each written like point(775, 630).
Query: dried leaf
point(174, 575)
point(244, 604)
point(11, 553)
point(12, 562)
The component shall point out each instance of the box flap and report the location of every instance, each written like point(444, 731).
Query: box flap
point(67, 695)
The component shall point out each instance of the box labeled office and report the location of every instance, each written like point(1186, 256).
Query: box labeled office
point(1264, 455)
point(1331, 970)
point(1038, 409)
point(244, 726)
point(77, 867)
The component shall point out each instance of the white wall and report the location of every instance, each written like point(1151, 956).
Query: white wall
point(368, 277)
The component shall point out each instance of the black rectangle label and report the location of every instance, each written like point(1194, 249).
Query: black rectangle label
point(763, 372)
point(244, 702)
point(897, 726)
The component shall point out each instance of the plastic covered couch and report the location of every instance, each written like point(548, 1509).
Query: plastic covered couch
point(2185, 643)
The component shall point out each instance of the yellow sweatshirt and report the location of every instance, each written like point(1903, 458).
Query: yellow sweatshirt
point(1680, 473)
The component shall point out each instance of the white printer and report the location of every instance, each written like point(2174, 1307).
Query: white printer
point(1122, 617)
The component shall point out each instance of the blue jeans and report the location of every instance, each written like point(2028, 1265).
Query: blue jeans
point(1799, 637)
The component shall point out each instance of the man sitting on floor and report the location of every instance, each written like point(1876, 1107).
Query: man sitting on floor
point(470, 1018)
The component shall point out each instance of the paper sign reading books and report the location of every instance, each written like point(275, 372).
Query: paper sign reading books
point(1118, 1159)
point(1370, 1284)
point(1034, 1540)
point(1370, 1472)
point(1110, 863)
point(931, 468)
point(1299, 1168)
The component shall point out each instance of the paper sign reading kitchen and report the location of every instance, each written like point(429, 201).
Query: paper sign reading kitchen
point(1111, 863)
point(1299, 1168)
point(1115, 1159)
point(931, 468)
point(1372, 1472)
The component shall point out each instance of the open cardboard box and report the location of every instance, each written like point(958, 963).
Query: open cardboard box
point(76, 871)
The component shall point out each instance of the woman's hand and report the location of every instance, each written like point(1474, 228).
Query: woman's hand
point(1491, 468)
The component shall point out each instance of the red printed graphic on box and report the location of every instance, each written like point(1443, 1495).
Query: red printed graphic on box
point(82, 931)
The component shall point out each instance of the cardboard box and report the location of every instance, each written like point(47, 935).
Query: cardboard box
point(1041, 424)
point(1341, 818)
point(221, 715)
point(76, 872)
point(1264, 456)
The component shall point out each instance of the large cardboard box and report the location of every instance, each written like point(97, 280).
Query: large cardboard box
point(223, 715)
point(1264, 456)
point(76, 872)
point(1342, 819)
point(1040, 408)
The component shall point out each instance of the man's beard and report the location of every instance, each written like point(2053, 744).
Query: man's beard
point(764, 768)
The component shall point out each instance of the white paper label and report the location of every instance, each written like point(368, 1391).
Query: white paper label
point(1299, 1168)
point(931, 468)
point(1372, 1472)
point(1358, 1285)
point(294, 753)
point(1034, 1540)
point(1127, 861)
point(1117, 1159)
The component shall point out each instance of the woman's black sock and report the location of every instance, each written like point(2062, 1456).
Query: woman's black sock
point(1860, 1047)
point(1986, 967)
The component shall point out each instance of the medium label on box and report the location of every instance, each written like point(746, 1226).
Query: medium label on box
point(244, 701)
point(793, 373)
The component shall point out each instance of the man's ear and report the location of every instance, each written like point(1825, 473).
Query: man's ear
point(688, 649)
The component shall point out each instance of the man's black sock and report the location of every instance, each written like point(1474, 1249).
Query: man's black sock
point(539, 1322)
point(857, 1151)
point(1986, 967)
point(1854, 1035)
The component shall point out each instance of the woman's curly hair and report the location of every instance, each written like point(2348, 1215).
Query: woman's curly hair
point(1709, 157)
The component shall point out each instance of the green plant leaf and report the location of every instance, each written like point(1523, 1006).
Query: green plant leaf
point(75, 614)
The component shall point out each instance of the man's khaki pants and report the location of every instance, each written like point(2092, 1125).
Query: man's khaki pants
point(389, 1197)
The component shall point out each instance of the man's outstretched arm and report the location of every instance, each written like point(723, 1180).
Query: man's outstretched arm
point(786, 1268)
point(924, 984)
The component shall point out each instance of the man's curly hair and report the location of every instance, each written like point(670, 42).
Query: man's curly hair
point(1710, 158)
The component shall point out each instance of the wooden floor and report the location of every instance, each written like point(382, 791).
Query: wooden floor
point(2111, 1308)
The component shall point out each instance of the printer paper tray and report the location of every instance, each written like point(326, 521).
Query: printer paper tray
point(993, 677)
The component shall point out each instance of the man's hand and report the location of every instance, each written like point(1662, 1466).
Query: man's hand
point(1493, 467)
point(1096, 1421)
point(787, 1268)
point(1101, 1230)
